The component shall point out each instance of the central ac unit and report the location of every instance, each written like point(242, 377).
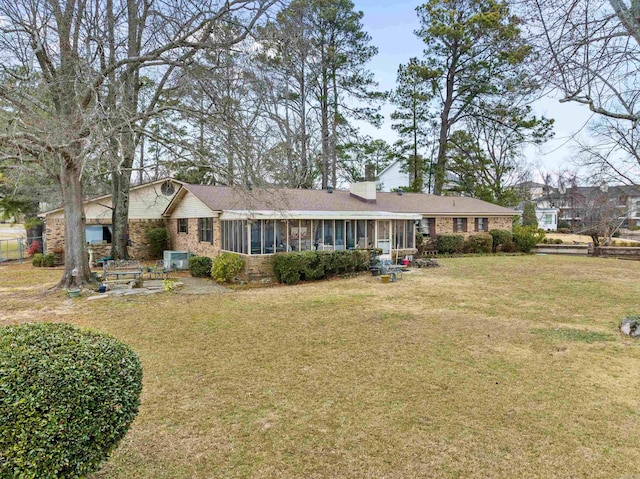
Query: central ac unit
point(176, 259)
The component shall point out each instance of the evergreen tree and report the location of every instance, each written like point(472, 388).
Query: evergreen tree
point(412, 118)
point(529, 217)
point(473, 49)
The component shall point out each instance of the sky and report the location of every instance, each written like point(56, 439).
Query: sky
point(391, 25)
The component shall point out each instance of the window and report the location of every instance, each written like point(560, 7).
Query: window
point(205, 230)
point(183, 225)
point(459, 225)
point(482, 224)
point(403, 237)
point(428, 227)
point(234, 236)
point(99, 234)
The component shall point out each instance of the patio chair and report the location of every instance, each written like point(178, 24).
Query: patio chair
point(159, 271)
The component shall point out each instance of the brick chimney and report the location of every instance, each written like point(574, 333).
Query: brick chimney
point(364, 191)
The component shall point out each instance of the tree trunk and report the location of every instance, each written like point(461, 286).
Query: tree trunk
point(334, 131)
point(121, 182)
point(122, 170)
point(305, 181)
point(76, 263)
point(324, 111)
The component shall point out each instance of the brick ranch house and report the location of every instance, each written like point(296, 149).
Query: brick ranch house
point(257, 223)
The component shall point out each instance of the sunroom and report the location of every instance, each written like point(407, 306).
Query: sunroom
point(269, 232)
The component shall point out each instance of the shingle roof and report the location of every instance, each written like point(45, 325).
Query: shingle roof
point(219, 198)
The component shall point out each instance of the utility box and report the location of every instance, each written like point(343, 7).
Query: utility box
point(176, 259)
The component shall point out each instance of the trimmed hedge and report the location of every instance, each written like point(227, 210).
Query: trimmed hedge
point(479, 243)
point(291, 268)
point(67, 397)
point(502, 241)
point(450, 244)
point(200, 266)
point(226, 266)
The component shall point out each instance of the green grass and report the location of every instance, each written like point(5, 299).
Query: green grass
point(500, 367)
point(564, 334)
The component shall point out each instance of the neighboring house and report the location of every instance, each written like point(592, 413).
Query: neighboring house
point(531, 190)
point(395, 176)
point(572, 201)
point(257, 223)
point(146, 204)
point(547, 217)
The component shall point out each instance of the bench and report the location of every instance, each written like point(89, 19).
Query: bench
point(124, 271)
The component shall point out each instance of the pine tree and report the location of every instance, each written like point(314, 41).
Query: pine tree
point(412, 118)
point(472, 49)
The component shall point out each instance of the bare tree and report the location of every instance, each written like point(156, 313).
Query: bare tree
point(590, 52)
point(70, 83)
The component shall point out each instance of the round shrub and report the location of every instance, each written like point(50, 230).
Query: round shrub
point(200, 266)
point(67, 397)
point(527, 237)
point(450, 244)
point(479, 243)
point(34, 247)
point(226, 266)
point(49, 260)
point(37, 260)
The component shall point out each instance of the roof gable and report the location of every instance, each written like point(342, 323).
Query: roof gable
point(146, 201)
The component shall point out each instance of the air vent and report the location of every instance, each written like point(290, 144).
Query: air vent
point(167, 188)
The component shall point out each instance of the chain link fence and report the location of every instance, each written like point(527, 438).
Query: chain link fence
point(17, 249)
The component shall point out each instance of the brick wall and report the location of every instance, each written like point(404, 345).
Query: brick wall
point(190, 241)
point(444, 225)
point(54, 235)
point(138, 249)
point(258, 267)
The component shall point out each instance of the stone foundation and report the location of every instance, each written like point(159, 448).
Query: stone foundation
point(257, 267)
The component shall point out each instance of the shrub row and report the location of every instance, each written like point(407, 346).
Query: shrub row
point(452, 244)
point(291, 268)
point(40, 260)
point(67, 397)
point(502, 241)
point(552, 241)
point(523, 238)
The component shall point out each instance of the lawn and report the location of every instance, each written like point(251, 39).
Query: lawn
point(501, 367)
